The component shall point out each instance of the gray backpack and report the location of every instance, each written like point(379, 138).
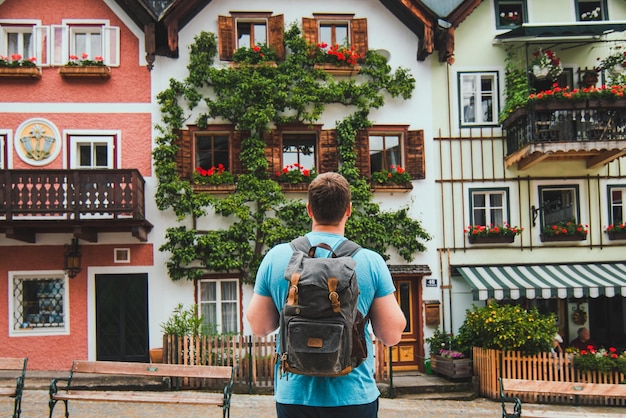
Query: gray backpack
point(321, 328)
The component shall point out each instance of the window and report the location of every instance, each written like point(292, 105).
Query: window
point(558, 204)
point(219, 304)
point(489, 207)
point(25, 40)
point(590, 10)
point(510, 13)
point(334, 33)
point(479, 98)
point(93, 39)
point(336, 29)
point(3, 150)
point(385, 151)
point(249, 29)
point(38, 303)
point(211, 149)
point(92, 151)
point(300, 149)
point(617, 196)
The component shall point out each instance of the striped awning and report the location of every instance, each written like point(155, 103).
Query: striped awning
point(546, 281)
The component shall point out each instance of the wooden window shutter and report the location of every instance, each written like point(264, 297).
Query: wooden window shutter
point(235, 149)
point(274, 151)
point(184, 163)
point(276, 31)
point(414, 154)
point(362, 146)
point(309, 30)
point(359, 36)
point(328, 156)
point(226, 37)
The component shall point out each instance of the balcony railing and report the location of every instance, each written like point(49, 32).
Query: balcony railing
point(84, 202)
point(572, 124)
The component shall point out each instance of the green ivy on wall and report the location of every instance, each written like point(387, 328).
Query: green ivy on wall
point(258, 215)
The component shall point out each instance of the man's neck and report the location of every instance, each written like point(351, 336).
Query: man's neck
point(329, 229)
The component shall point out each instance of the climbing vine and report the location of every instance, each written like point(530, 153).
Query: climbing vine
point(258, 214)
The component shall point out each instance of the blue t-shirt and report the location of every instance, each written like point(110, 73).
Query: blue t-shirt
point(357, 387)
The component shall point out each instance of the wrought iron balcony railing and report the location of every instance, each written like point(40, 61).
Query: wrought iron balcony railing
point(84, 202)
point(564, 126)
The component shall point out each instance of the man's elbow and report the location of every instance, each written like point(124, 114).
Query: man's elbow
point(391, 334)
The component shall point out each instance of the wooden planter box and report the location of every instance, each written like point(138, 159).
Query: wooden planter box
point(213, 188)
point(85, 72)
point(298, 187)
point(496, 239)
point(453, 368)
point(270, 64)
point(616, 235)
point(20, 72)
point(392, 187)
point(563, 237)
point(345, 70)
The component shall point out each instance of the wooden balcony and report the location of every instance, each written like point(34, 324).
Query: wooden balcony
point(593, 130)
point(81, 202)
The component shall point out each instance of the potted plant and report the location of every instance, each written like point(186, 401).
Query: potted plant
point(85, 67)
point(614, 64)
point(295, 174)
point(395, 177)
point(16, 66)
point(602, 360)
point(481, 234)
point(546, 65)
point(446, 359)
point(616, 231)
point(260, 54)
point(214, 178)
point(183, 322)
point(336, 59)
point(564, 231)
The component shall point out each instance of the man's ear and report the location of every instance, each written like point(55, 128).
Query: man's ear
point(308, 211)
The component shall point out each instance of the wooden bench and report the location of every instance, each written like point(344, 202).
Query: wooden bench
point(14, 391)
point(572, 390)
point(508, 403)
point(67, 392)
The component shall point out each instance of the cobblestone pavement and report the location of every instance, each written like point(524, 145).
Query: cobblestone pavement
point(35, 405)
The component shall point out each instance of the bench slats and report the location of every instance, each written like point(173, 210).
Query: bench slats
point(152, 369)
point(138, 396)
point(8, 363)
point(7, 391)
point(567, 388)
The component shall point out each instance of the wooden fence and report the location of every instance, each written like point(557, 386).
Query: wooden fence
point(253, 357)
point(490, 364)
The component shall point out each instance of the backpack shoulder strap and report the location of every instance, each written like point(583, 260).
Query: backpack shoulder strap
point(301, 244)
point(347, 248)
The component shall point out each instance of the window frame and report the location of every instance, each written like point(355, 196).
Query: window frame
point(316, 147)
point(251, 18)
point(506, 204)
point(212, 130)
point(63, 43)
point(575, 189)
point(38, 331)
point(110, 138)
point(40, 35)
point(603, 10)
point(611, 205)
point(385, 165)
point(523, 6)
point(219, 301)
point(478, 95)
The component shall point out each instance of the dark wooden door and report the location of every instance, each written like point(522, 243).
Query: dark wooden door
point(122, 317)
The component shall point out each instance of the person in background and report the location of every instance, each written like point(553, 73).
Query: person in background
point(354, 394)
point(557, 349)
point(583, 341)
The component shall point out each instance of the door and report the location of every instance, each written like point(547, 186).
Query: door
point(409, 353)
point(122, 317)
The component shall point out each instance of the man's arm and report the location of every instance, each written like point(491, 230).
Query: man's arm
point(262, 315)
point(388, 320)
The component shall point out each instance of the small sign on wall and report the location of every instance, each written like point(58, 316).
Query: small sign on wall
point(431, 282)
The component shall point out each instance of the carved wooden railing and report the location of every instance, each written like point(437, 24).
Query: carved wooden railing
point(71, 194)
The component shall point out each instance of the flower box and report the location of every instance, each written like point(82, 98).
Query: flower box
point(453, 368)
point(563, 237)
point(271, 64)
point(613, 235)
point(20, 72)
point(392, 187)
point(77, 71)
point(213, 188)
point(295, 187)
point(494, 239)
point(342, 70)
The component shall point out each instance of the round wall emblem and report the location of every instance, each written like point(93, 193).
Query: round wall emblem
point(37, 142)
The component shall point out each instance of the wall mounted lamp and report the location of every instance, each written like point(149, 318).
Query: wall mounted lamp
point(72, 259)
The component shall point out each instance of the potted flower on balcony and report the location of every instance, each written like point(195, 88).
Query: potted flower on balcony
point(215, 178)
point(257, 55)
point(546, 65)
point(614, 64)
point(482, 234)
point(616, 231)
point(336, 59)
point(16, 66)
point(564, 231)
point(85, 67)
point(395, 178)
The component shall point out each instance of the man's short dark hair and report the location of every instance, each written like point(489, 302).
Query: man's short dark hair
point(329, 198)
